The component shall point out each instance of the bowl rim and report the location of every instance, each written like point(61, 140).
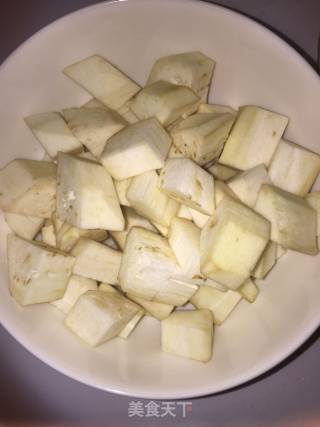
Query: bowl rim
point(252, 374)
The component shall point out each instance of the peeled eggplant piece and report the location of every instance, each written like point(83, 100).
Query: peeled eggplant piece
point(199, 218)
point(96, 261)
point(216, 108)
point(103, 80)
point(249, 290)
point(147, 268)
point(155, 309)
point(201, 137)
point(133, 219)
point(138, 148)
point(76, 287)
point(99, 316)
point(184, 212)
point(232, 243)
point(253, 138)
point(94, 126)
point(24, 226)
point(280, 251)
point(86, 197)
point(149, 201)
point(267, 261)
point(121, 189)
point(313, 199)
point(126, 112)
point(28, 187)
point(48, 234)
point(220, 302)
point(163, 230)
point(221, 172)
point(184, 239)
point(54, 135)
point(131, 325)
point(293, 221)
point(37, 272)
point(246, 185)
point(294, 168)
point(189, 184)
point(222, 191)
point(165, 101)
point(188, 333)
point(192, 69)
point(68, 236)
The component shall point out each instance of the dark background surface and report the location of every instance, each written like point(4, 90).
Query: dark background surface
point(288, 396)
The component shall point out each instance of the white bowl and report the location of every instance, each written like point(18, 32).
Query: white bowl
point(253, 67)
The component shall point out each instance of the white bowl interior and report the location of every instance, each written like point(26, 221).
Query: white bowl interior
point(253, 67)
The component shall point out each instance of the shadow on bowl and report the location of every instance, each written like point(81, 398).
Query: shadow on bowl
point(314, 64)
point(307, 344)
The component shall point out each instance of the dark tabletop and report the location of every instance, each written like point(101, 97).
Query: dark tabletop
point(288, 396)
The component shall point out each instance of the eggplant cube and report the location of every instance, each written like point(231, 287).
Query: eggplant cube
point(221, 172)
point(149, 201)
point(188, 333)
point(96, 261)
point(249, 290)
point(132, 220)
point(201, 137)
point(94, 126)
point(103, 81)
point(184, 212)
point(48, 234)
point(314, 201)
point(155, 309)
point(280, 251)
point(192, 69)
point(189, 184)
point(57, 223)
point(222, 191)
point(216, 108)
point(184, 239)
point(86, 197)
point(294, 168)
point(220, 302)
point(293, 221)
point(26, 227)
point(199, 218)
point(37, 273)
point(148, 267)
point(93, 103)
point(28, 187)
point(54, 135)
point(140, 147)
point(121, 189)
point(126, 112)
point(165, 101)
point(232, 244)
point(132, 324)
point(99, 316)
point(76, 287)
point(68, 236)
point(253, 138)
point(246, 185)
point(267, 261)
